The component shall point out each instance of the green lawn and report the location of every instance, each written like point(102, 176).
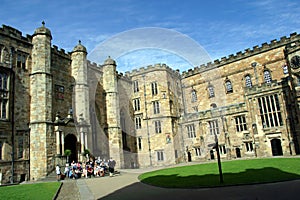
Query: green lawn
point(38, 191)
point(234, 173)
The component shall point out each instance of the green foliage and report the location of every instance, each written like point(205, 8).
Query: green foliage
point(86, 151)
point(67, 152)
point(234, 173)
point(38, 191)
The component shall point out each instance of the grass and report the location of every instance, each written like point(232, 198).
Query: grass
point(235, 172)
point(39, 191)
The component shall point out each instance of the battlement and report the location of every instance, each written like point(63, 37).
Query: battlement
point(294, 39)
point(14, 33)
point(93, 64)
point(150, 68)
point(60, 52)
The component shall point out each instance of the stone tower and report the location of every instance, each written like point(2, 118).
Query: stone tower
point(41, 140)
point(113, 112)
point(81, 96)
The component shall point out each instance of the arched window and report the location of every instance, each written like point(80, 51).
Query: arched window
point(248, 81)
point(228, 86)
point(267, 76)
point(194, 96)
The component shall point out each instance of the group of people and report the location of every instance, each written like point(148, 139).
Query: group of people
point(95, 168)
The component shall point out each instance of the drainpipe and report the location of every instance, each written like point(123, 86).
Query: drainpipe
point(12, 115)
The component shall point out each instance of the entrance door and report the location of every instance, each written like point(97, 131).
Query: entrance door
point(276, 147)
point(238, 152)
point(212, 155)
point(71, 143)
point(189, 157)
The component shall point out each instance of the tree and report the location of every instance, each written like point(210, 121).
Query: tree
point(67, 153)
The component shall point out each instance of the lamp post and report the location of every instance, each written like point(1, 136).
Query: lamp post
point(219, 159)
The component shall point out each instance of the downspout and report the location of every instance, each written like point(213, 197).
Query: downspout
point(12, 115)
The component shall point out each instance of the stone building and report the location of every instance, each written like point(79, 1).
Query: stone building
point(53, 101)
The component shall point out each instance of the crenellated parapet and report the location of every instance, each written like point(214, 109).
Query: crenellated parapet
point(92, 64)
point(293, 40)
point(123, 77)
point(14, 33)
point(151, 68)
point(60, 52)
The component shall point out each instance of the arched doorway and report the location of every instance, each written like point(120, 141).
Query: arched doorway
point(238, 152)
point(276, 147)
point(71, 143)
point(189, 157)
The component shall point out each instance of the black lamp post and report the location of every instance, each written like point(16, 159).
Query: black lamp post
point(219, 159)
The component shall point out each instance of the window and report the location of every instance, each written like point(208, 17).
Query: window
point(20, 146)
point(285, 69)
point(59, 92)
point(3, 95)
point(213, 127)
point(176, 153)
point(267, 76)
point(136, 104)
point(240, 123)
point(1, 150)
point(198, 151)
point(228, 86)
point(269, 108)
point(222, 149)
point(249, 146)
point(140, 143)
point(21, 61)
point(155, 107)
point(211, 92)
point(195, 108)
point(191, 131)
point(194, 96)
point(248, 81)
point(160, 155)
point(154, 88)
point(135, 86)
point(157, 126)
point(138, 122)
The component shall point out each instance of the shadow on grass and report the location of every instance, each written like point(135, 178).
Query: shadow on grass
point(250, 176)
point(280, 190)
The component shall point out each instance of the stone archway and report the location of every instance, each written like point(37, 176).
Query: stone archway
point(71, 143)
point(276, 147)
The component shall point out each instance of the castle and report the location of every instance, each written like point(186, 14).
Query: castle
point(53, 101)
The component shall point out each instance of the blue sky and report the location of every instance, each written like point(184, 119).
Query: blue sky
point(220, 28)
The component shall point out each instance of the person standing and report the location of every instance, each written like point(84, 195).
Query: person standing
point(111, 166)
point(57, 170)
